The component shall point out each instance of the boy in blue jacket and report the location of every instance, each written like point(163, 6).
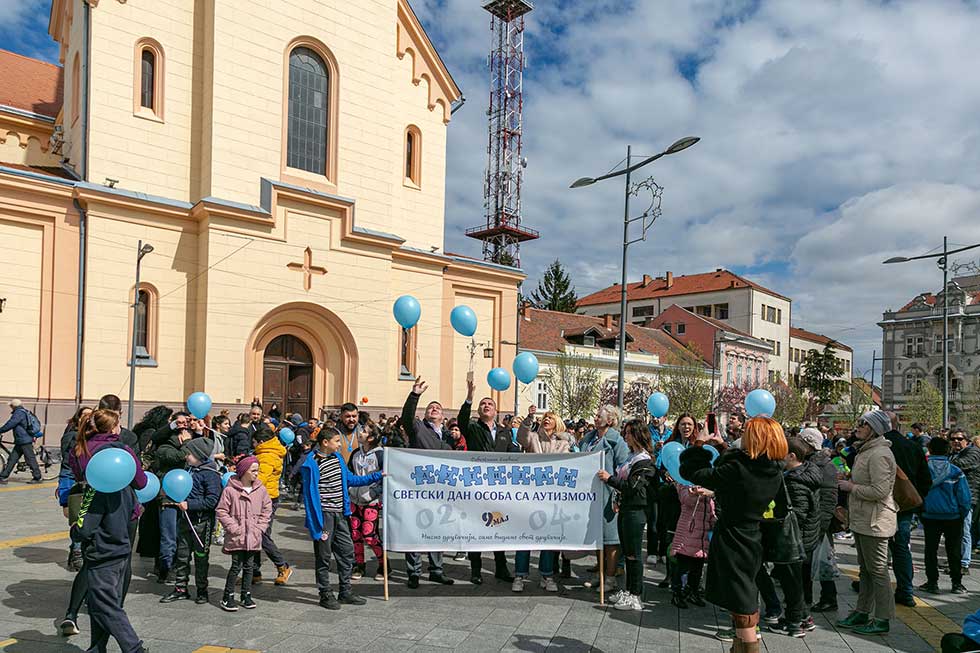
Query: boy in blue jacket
point(943, 511)
point(196, 526)
point(968, 640)
point(325, 482)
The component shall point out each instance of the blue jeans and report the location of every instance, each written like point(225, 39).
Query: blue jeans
point(168, 536)
point(967, 540)
point(902, 556)
point(546, 563)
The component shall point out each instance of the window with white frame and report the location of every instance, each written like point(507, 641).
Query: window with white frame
point(542, 398)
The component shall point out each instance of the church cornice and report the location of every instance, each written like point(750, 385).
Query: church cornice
point(427, 65)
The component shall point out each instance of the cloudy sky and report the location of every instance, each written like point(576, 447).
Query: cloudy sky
point(834, 135)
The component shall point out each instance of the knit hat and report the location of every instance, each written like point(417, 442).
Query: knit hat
point(812, 437)
point(200, 447)
point(878, 420)
point(241, 467)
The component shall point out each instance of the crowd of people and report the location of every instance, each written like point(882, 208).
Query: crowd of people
point(771, 509)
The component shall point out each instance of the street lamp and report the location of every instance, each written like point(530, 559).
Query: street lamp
point(652, 212)
point(943, 263)
point(141, 251)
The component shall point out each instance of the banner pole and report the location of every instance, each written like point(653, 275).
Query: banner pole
point(602, 577)
point(385, 563)
point(384, 533)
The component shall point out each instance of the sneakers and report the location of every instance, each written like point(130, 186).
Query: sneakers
point(256, 578)
point(808, 625)
point(693, 597)
point(413, 584)
point(677, 600)
point(772, 618)
point(247, 601)
point(728, 634)
point(330, 602)
point(202, 597)
point(630, 602)
point(176, 595)
point(68, 627)
point(380, 574)
point(651, 561)
point(356, 574)
point(349, 598)
point(958, 588)
point(285, 572)
point(460, 555)
point(442, 579)
point(548, 584)
point(907, 601)
point(783, 627)
point(518, 584)
point(873, 627)
point(854, 620)
point(931, 588)
point(825, 606)
point(228, 603)
point(615, 597)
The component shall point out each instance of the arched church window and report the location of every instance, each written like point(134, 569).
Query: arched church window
point(306, 138)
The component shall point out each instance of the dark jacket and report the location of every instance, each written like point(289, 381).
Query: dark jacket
point(129, 439)
point(828, 488)
point(803, 486)
point(168, 455)
point(911, 460)
point(103, 525)
point(639, 490)
point(743, 488)
point(479, 438)
point(206, 490)
point(18, 424)
point(421, 435)
point(968, 461)
point(238, 442)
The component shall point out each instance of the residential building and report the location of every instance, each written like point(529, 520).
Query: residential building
point(546, 334)
point(736, 356)
point(286, 162)
point(802, 341)
point(740, 303)
point(912, 345)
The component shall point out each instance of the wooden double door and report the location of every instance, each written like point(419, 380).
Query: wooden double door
point(287, 378)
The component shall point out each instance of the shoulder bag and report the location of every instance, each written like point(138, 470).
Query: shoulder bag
point(782, 539)
point(904, 493)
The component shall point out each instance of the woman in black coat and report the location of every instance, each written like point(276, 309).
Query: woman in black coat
point(745, 481)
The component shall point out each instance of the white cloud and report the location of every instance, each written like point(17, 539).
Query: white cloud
point(833, 136)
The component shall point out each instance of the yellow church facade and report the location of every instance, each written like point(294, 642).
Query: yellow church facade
point(286, 163)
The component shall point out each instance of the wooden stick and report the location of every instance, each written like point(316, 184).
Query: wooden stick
point(385, 563)
point(602, 577)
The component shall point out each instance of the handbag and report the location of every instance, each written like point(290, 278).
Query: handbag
point(904, 493)
point(782, 539)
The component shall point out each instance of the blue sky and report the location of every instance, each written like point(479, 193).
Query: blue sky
point(834, 135)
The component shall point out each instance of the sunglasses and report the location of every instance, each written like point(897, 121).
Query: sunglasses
point(958, 439)
point(861, 423)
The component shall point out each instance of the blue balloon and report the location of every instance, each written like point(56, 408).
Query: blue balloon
point(712, 451)
point(150, 491)
point(498, 378)
point(463, 320)
point(287, 436)
point(226, 477)
point(177, 485)
point(658, 404)
point(526, 367)
point(670, 456)
point(110, 469)
point(407, 311)
point(199, 404)
point(760, 403)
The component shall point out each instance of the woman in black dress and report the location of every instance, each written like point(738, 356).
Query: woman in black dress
point(744, 480)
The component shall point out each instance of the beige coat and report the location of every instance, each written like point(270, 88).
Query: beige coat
point(538, 442)
point(871, 508)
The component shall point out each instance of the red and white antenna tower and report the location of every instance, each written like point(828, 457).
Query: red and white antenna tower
point(503, 234)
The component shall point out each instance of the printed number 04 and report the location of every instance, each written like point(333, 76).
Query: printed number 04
point(539, 519)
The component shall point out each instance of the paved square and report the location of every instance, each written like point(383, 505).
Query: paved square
point(34, 586)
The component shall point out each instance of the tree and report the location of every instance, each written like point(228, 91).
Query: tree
point(689, 389)
point(635, 396)
point(820, 378)
point(925, 407)
point(573, 386)
point(555, 291)
point(790, 403)
point(856, 401)
point(731, 398)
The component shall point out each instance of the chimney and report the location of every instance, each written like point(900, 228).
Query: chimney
point(670, 279)
point(647, 280)
point(607, 321)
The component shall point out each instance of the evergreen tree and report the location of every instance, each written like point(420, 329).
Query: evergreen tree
point(555, 290)
point(820, 376)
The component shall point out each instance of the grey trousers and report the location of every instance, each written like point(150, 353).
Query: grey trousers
point(875, 596)
point(338, 542)
point(105, 597)
point(413, 563)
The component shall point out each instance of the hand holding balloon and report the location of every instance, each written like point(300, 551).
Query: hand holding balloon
point(199, 404)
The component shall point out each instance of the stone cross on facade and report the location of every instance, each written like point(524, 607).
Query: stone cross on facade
point(307, 268)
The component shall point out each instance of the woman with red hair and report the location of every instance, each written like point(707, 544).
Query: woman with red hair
point(744, 481)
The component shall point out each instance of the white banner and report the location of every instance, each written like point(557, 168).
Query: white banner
point(463, 501)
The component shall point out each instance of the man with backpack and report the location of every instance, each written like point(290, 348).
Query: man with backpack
point(26, 428)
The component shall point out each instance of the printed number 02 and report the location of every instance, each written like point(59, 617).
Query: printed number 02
point(424, 518)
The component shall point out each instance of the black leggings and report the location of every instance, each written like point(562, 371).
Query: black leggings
point(630, 525)
point(693, 567)
point(79, 586)
point(241, 562)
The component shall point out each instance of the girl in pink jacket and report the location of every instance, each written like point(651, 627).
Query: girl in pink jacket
point(690, 545)
point(245, 510)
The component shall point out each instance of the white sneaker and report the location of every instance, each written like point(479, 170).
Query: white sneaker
point(651, 561)
point(518, 584)
point(616, 597)
point(630, 602)
point(548, 584)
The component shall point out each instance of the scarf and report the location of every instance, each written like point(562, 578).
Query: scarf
point(623, 471)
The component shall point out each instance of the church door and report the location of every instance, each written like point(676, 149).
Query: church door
point(287, 378)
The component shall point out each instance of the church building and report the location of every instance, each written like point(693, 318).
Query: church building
point(282, 165)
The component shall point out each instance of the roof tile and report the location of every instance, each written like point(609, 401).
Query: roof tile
point(686, 284)
point(30, 84)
